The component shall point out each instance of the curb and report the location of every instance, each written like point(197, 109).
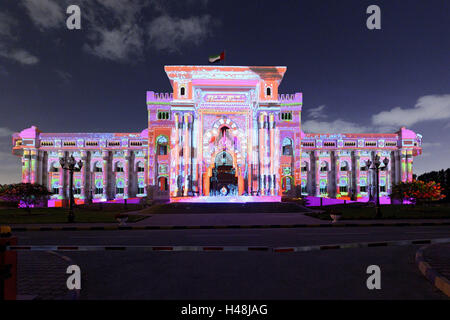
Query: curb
point(227, 248)
point(263, 226)
point(439, 281)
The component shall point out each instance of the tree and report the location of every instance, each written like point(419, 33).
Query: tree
point(442, 177)
point(418, 191)
point(26, 194)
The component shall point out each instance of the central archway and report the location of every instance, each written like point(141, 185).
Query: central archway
point(223, 180)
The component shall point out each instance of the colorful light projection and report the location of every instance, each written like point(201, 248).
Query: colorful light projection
point(229, 109)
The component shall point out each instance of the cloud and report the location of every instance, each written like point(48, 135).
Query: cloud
point(427, 108)
point(45, 14)
point(120, 44)
point(117, 31)
point(426, 145)
point(66, 77)
point(7, 25)
point(19, 55)
point(335, 126)
point(316, 113)
point(169, 33)
point(8, 43)
point(118, 37)
point(5, 132)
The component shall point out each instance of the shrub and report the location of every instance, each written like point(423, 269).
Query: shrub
point(417, 191)
point(28, 194)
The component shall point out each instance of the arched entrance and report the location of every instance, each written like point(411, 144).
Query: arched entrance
point(223, 180)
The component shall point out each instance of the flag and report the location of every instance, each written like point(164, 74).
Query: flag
point(218, 57)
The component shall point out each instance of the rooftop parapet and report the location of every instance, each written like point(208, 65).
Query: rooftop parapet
point(291, 99)
point(159, 98)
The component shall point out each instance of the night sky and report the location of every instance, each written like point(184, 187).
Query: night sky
point(353, 79)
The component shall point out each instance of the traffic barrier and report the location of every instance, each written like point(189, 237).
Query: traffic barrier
point(226, 248)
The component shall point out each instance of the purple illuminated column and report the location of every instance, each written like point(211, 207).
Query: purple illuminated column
point(356, 170)
point(187, 152)
point(105, 179)
point(62, 178)
point(266, 154)
point(33, 166)
point(317, 172)
point(403, 165)
point(337, 172)
point(26, 166)
point(261, 154)
point(409, 164)
point(272, 152)
point(126, 174)
point(84, 175)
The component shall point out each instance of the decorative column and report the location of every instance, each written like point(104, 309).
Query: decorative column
point(266, 155)
point(62, 178)
point(187, 153)
point(317, 172)
point(105, 178)
point(261, 154)
point(146, 172)
point(409, 164)
point(337, 173)
point(277, 161)
point(255, 164)
point(404, 173)
point(356, 170)
point(272, 149)
point(85, 176)
point(126, 173)
point(26, 166)
point(175, 156)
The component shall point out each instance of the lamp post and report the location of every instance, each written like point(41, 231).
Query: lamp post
point(376, 166)
point(69, 163)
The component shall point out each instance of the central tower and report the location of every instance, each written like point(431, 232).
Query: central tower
point(220, 132)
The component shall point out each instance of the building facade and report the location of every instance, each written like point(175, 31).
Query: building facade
point(222, 131)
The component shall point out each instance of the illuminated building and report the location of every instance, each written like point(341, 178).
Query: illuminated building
point(224, 130)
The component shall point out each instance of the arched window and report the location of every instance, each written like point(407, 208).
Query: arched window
point(268, 91)
point(161, 146)
point(119, 166)
point(162, 184)
point(140, 167)
point(304, 166)
point(287, 147)
point(182, 91)
point(286, 184)
point(324, 166)
point(344, 166)
point(98, 167)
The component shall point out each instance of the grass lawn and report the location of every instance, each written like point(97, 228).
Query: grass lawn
point(358, 211)
point(88, 213)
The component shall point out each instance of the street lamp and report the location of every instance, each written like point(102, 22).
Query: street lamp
point(376, 166)
point(69, 163)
